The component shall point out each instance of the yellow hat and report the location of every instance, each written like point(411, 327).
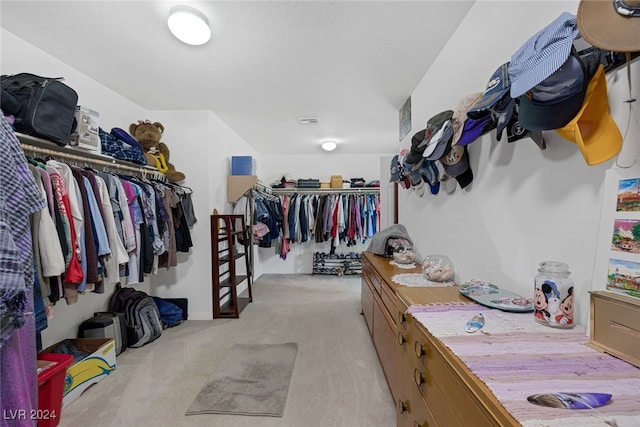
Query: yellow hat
point(592, 129)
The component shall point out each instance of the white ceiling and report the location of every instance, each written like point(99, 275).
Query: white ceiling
point(350, 64)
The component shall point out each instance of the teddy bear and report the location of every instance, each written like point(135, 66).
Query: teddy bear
point(156, 152)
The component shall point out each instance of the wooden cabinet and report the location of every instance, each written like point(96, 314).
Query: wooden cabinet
point(230, 246)
point(379, 309)
point(431, 374)
point(430, 385)
point(615, 325)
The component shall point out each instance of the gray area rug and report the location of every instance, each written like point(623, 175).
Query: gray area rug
point(252, 379)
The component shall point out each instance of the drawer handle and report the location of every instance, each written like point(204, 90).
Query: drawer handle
point(401, 338)
point(401, 317)
point(419, 349)
point(403, 406)
point(417, 424)
point(418, 378)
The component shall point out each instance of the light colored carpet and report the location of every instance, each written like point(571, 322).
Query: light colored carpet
point(337, 380)
point(253, 379)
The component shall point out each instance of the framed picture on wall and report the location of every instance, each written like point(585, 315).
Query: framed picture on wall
point(405, 119)
point(617, 263)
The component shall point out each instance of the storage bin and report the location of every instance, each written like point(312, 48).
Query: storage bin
point(51, 387)
point(309, 183)
point(85, 135)
point(241, 165)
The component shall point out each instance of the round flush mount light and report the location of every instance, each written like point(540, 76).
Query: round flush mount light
point(189, 25)
point(329, 145)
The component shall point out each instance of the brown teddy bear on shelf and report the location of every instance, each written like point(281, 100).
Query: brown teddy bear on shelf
point(156, 152)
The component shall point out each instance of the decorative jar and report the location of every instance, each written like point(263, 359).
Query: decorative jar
point(553, 297)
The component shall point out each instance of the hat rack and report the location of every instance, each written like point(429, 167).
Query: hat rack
point(37, 145)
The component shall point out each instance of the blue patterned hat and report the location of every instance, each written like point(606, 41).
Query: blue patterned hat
point(543, 54)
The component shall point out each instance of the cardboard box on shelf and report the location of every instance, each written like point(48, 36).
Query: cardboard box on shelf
point(96, 366)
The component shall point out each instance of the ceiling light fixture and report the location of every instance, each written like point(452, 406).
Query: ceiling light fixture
point(329, 145)
point(189, 25)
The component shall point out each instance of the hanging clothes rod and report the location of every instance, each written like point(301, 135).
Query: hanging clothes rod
point(261, 187)
point(92, 161)
point(363, 190)
point(39, 145)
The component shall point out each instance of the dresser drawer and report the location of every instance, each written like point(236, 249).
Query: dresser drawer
point(412, 410)
point(384, 340)
point(369, 272)
point(366, 299)
point(448, 397)
point(388, 298)
point(615, 325)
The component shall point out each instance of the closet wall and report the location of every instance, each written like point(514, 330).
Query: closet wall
point(187, 132)
point(525, 205)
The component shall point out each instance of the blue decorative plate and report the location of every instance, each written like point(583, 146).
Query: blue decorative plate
point(489, 295)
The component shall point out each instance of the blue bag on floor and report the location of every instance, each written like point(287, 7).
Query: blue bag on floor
point(170, 314)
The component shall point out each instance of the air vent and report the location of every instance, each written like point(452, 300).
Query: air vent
point(308, 120)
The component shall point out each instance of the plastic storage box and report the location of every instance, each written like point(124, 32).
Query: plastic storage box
point(51, 387)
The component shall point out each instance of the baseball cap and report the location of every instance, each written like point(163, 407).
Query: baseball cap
point(473, 128)
point(456, 164)
point(555, 101)
point(543, 54)
point(395, 169)
point(434, 124)
point(592, 129)
point(610, 25)
point(497, 87)
point(430, 175)
point(418, 144)
point(438, 141)
point(509, 121)
point(460, 114)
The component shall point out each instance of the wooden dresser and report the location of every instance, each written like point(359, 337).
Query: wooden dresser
point(430, 385)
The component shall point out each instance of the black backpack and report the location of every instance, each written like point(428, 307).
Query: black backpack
point(47, 107)
point(141, 314)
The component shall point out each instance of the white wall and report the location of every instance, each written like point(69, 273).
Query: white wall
point(321, 166)
point(525, 205)
point(201, 146)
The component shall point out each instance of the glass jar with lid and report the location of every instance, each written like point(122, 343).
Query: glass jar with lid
point(553, 298)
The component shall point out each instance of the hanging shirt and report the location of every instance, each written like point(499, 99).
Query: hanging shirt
point(119, 253)
point(284, 248)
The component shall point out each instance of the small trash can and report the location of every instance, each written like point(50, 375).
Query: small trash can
point(51, 387)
